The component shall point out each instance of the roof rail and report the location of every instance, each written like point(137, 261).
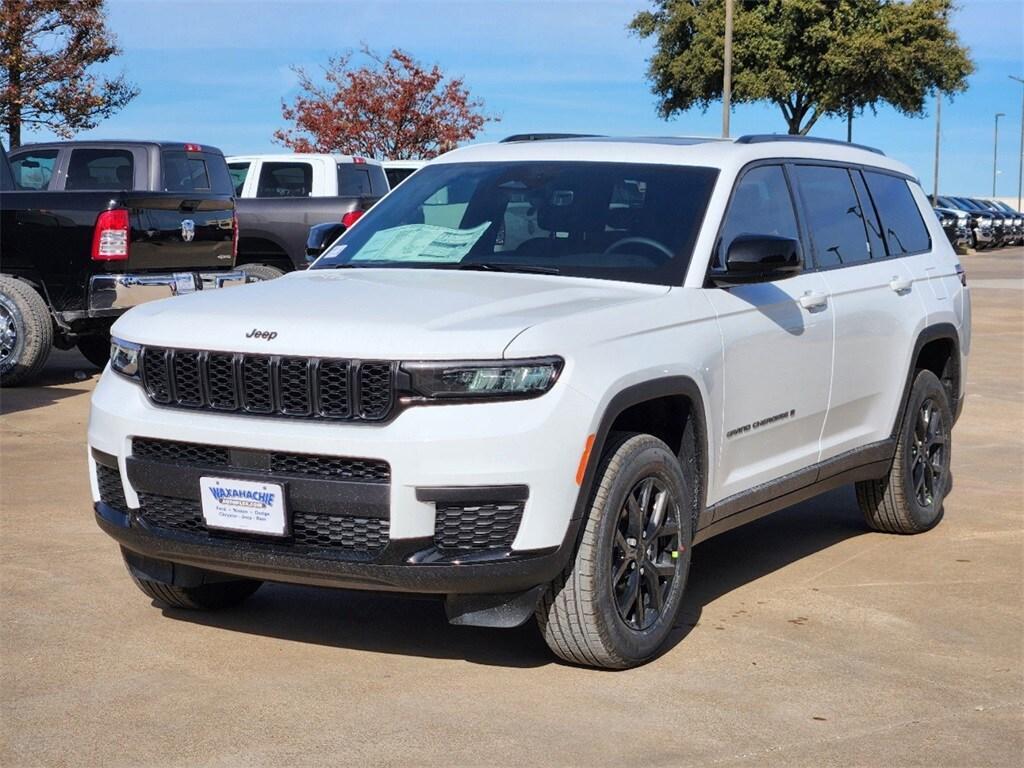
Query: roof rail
point(546, 136)
point(764, 138)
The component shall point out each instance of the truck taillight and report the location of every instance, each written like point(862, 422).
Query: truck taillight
point(351, 218)
point(111, 236)
point(234, 236)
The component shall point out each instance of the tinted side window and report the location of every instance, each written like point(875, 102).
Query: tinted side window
point(353, 181)
point(285, 180)
point(871, 223)
point(100, 169)
point(834, 216)
point(905, 230)
point(397, 175)
point(239, 172)
point(217, 167)
point(378, 181)
point(184, 174)
point(33, 170)
point(761, 205)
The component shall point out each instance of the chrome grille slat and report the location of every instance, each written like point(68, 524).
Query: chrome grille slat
point(270, 385)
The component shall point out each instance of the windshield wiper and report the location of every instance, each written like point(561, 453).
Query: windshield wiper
point(490, 266)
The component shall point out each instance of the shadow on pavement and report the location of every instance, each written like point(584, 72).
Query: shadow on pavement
point(388, 623)
point(63, 367)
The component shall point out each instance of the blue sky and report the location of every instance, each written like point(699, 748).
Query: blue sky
point(215, 71)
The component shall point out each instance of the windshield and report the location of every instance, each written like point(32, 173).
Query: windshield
point(616, 221)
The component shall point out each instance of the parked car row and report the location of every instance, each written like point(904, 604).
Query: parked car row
point(979, 223)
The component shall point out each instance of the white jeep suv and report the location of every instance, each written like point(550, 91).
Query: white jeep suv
point(535, 375)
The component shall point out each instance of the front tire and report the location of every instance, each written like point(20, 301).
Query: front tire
point(26, 332)
point(206, 597)
point(909, 498)
point(616, 603)
point(95, 349)
point(260, 272)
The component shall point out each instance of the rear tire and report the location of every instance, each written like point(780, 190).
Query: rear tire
point(909, 498)
point(95, 349)
point(26, 332)
point(261, 272)
point(616, 603)
point(206, 597)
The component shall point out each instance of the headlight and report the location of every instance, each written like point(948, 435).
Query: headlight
point(948, 222)
point(477, 380)
point(124, 358)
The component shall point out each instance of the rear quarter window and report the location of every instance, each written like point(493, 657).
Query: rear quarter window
point(92, 169)
point(34, 169)
point(285, 180)
point(902, 226)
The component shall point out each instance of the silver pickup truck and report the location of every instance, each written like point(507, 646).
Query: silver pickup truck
point(280, 197)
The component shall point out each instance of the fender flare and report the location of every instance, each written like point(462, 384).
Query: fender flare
point(945, 331)
point(634, 395)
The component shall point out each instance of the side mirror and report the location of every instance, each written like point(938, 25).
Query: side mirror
point(760, 259)
point(321, 236)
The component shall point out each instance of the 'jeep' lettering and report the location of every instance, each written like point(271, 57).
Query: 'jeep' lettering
point(256, 333)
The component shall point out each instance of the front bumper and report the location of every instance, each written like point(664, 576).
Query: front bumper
point(435, 453)
point(121, 291)
point(398, 568)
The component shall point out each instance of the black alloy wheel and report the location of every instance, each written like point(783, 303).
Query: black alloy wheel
point(644, 552)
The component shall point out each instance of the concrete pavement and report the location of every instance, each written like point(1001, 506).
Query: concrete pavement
point(805, 640)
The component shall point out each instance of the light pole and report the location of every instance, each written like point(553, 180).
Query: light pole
point(938, 138)
point(995, 151)
point(1020, 169)
point(727, 75)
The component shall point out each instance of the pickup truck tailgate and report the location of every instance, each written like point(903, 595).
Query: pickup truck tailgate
point(173, 232)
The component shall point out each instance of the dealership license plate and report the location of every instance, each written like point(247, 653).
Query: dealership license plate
point(243, 505)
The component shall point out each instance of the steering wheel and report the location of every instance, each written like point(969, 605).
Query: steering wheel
point(648, 241)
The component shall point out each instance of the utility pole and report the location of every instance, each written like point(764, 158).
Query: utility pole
point(727, 78)
point(1020, 170)
point(938, 140)
point(995, 152)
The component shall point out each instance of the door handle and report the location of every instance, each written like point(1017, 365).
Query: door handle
point(813, 300)
point(901, 285)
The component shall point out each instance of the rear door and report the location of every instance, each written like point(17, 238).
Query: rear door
point(777, 348)
point(875, 300)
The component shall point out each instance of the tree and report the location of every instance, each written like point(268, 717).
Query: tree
point(46, 50)
point(809, 57)
point(391, 108)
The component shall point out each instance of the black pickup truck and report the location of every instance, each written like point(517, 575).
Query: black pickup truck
point(90, 229)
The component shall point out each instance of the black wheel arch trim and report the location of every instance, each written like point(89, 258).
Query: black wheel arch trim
point(654, 389)
point(939, 331)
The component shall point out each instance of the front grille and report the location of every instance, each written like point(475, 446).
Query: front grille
point(191, 454)
point(309, 530)
point(276, 463)
point(111, 490)
point(474, 527)
point(269, 385)
point(330, 467)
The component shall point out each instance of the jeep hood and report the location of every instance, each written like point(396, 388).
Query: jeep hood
point(373, 313)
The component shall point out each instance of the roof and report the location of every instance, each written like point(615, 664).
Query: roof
point(725, 154)
point(126, 142)
point(415, 164)
point(284, 157)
